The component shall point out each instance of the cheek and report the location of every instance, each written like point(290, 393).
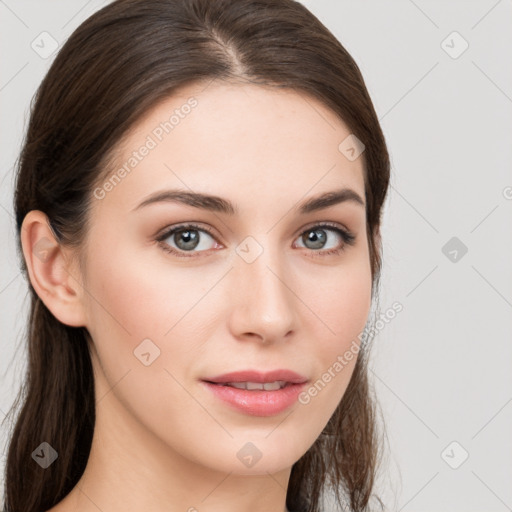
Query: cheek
point(342, 304)
point(138, 298)
point(137, 309)
point(342, 307)
point(351, 306)
point(133, 300)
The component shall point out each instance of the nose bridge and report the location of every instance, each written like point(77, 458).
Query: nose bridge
point(264, 302)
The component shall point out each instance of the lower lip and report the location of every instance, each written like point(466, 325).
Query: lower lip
point(257, 402)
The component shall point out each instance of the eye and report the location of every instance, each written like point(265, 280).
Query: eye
point(186, 237)
point(316, 238)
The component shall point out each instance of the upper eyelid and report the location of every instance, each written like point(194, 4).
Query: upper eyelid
point(165, 232)
point(326, 223)
point(169, 230)
point(211, 231)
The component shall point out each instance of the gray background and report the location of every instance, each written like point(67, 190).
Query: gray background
point(442, 366)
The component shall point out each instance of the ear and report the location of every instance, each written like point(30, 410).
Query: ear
point(52, 271)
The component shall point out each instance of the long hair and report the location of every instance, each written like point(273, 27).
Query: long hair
point(116, 66)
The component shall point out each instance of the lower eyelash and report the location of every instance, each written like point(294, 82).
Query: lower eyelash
point(348, 239)
point(167, 234)
point(347, 236)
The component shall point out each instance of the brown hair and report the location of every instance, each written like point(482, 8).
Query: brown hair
point(113, 69)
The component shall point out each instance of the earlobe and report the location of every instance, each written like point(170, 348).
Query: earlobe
point(50, 269)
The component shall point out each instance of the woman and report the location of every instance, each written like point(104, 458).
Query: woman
point(198, 204)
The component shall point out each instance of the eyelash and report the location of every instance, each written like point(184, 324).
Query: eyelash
point(347, 236)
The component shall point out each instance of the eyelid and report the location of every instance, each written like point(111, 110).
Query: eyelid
point(347, 236)
point(170, 230)
point(165, 232)
point(320, 224)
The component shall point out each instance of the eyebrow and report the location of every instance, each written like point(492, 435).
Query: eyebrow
point(220, 205)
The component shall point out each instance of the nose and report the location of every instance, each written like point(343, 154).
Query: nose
point(263, 304)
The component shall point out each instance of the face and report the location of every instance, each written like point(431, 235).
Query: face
point(253, 281)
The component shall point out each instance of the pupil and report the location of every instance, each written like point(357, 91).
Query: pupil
point(191, 239)
point(318, 238)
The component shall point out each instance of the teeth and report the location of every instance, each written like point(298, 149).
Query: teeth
point(267, 386)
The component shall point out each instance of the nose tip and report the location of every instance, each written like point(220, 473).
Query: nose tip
point(263, 304)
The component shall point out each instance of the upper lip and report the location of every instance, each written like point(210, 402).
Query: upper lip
point(257, 376)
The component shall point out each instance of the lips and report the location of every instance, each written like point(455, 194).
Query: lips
point(286, 376)
point(242, 390)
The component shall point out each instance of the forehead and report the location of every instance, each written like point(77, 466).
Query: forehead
point(244, 140)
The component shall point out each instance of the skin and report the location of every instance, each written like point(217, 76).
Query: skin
point(163, 442)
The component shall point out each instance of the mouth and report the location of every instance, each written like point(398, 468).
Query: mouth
point(255, 386)
point(254, 379)
point(256, 393)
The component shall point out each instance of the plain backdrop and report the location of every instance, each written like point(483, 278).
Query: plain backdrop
point(440, 77)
